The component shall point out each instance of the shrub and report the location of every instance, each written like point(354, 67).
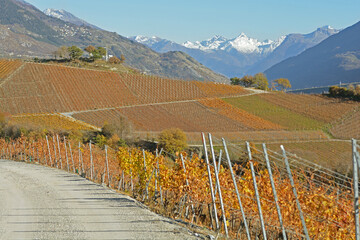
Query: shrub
point(100, 140)
point(173, 140)
point(120, 127)
point(114, 60)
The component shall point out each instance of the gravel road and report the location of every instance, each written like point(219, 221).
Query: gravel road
point(38, 202)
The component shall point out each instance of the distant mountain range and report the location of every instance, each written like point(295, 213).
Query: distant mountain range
point(323, 57)
point(334, 60)
point(241, 55)
point(26, 32)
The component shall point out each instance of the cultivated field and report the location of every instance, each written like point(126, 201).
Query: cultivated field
point(348, 126)
point(7, 67)
point(259, 106)
point(152, 104)
point(51, 121)
point(317, 107)
point(41, 88)
point(65, 98)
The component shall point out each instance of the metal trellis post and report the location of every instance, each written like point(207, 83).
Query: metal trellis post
point(210, 181)
point(66, 154)
point(218, 185)
point(107, 165)
point(356, 189)
point(72, 158)
point(48, 145)
point(262, 222)
point(55, 160)
point(91, 162)
point(236, 190)
point(274, 191)
point(295, 193)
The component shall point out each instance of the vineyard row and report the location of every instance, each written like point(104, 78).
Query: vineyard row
point(40, 88)
point(244, 200)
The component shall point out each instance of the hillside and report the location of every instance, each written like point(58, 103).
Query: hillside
point(336, 59)
point(40, 88)
point(152, 104)
point(28, 29)
point(293, 45)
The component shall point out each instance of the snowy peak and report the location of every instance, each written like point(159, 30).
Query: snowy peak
point(55, 13)
point(146, 40)
point(213, 43)
point(241, 44)
point(67, 17)
point(327, 30)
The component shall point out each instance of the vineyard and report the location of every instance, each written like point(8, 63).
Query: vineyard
point(287, 118)
point(7, 67)
point(206, 115)
point(51, 122)
point(270, 194)
point(316, 107)
point(348, 126)
point(333, 154)
point(263, 136)
point(239, 115)
point(152, 104)
point(41, 88)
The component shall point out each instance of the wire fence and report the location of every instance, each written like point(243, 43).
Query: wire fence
point(243, 192)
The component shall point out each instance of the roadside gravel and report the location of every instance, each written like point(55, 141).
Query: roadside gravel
point(38, 202)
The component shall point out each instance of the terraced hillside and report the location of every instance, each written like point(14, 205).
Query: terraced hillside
point(152, 104)
point(190, 116)
point(41, 88)
point(8, 67)
point(348, 126)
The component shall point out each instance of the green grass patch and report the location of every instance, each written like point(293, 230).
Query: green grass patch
point(284, 117)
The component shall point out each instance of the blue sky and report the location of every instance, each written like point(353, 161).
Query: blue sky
point(199, 19)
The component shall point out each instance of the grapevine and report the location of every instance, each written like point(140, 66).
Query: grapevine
point(167, 188)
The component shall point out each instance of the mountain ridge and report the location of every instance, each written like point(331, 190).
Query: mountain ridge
point(334, 60)
point(26, 21)
point(240, 55)
point(68, 17)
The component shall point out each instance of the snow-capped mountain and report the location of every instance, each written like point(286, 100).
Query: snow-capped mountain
point(158, 44)
point(68, 17)
point(147, 40)
point(241, 55)
point(211, 44)
point(242, 44)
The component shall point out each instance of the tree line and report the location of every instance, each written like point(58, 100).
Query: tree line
point(351, 92)
point(94, 53)
point(260, 81)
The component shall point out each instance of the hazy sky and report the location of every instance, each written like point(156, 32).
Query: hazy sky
point(199, 19)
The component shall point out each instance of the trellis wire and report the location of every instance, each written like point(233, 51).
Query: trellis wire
point(30, 150)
